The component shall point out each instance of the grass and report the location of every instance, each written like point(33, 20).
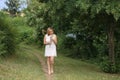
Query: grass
point(72, 69)
point(25, 66)
point(22, 66)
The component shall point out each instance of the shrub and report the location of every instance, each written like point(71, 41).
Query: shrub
point(69, 42)
point(107, 67)
point(27, 36)
point(7, 37)
point(2, 45)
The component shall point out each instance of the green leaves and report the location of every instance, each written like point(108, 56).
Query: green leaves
point(114, 9)
point(89, 20)
point(13, 6)
point(2, 45)
point(83, 5)
point(7, 37)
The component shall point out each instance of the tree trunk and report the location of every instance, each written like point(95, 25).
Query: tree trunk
point(111, 43)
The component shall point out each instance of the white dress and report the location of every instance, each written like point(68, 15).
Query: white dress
point(50, 49)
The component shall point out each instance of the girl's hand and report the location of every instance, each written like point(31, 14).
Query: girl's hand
point(54, 39)
point(48, 43)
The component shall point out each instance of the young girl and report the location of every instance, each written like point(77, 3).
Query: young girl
point(50, 41)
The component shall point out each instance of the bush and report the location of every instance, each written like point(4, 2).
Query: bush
point(69, 42)
point(107, 67)
point(7, 36)
point(27, 36)
point(2, 45)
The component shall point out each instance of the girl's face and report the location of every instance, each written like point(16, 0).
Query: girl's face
point(50, 32)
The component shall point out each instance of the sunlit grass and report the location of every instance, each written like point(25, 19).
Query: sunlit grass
point(73, 69)
point(70, 69)
point(23, 66)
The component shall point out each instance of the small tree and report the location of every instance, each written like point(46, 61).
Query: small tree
point(13, 6)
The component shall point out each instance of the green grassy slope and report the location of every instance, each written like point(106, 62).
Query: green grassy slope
point(22, 66)
point(25, 66)
point(71, 69)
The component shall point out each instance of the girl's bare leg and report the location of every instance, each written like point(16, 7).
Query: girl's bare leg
point(48, 65)
point(52, 64)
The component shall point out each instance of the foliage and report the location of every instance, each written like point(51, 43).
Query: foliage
point(68, 42)
point(13, 6)
point(25, 34)
point(7, 37)
point(2, 45)
point(107, 67)
point(94, 22)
